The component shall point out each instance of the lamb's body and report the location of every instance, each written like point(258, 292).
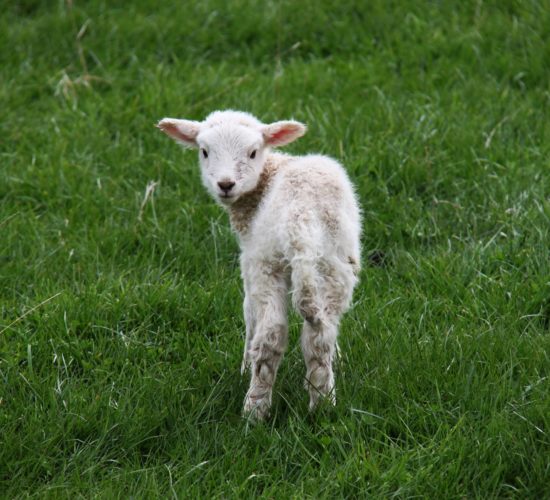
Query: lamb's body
point(303, 236)
point(299, 230)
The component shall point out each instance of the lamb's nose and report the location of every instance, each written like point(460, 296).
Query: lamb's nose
point(226, 186)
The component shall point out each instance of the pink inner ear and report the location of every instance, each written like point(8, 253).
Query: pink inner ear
point(280, 135)
point(173, 130)
point(283, 136)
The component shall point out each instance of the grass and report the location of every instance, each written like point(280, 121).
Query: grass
point(121, 328)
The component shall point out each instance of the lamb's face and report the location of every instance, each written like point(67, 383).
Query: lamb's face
point(232, 148)
point(231, 159)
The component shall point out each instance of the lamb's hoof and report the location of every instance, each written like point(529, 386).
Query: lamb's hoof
point(318, 398)
point(256, 410)
point(329, 400)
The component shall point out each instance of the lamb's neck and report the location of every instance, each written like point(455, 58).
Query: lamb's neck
point(242, 212)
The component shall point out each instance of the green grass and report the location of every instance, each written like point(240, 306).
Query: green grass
point(121, 326)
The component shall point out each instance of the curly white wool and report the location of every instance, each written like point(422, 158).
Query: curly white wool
point(298, 223)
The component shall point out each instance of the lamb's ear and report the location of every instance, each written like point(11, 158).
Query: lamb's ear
point(281, 133)
point(183, 131)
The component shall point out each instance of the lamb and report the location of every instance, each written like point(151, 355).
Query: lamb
point(298, 224)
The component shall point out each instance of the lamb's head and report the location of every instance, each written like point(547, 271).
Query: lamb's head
point(232, 148)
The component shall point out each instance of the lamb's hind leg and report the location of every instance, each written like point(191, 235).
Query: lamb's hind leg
point(322, 307)
point(319, 331)
point(319, 348)
point(267, 298)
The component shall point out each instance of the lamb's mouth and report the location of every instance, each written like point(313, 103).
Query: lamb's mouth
point(227, 198)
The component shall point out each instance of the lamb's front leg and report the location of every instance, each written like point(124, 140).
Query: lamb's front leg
point(250, 322)
point(266, 301)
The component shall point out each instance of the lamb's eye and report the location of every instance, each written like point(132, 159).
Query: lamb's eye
point(204, 153)
point(253, 155)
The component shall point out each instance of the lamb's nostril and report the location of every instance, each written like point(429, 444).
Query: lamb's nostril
point(226, 186)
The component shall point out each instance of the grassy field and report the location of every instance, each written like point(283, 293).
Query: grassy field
point(121, 329)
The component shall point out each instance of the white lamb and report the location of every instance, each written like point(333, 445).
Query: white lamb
point(298, 223)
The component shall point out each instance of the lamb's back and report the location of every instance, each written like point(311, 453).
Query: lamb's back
point(310, 201)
